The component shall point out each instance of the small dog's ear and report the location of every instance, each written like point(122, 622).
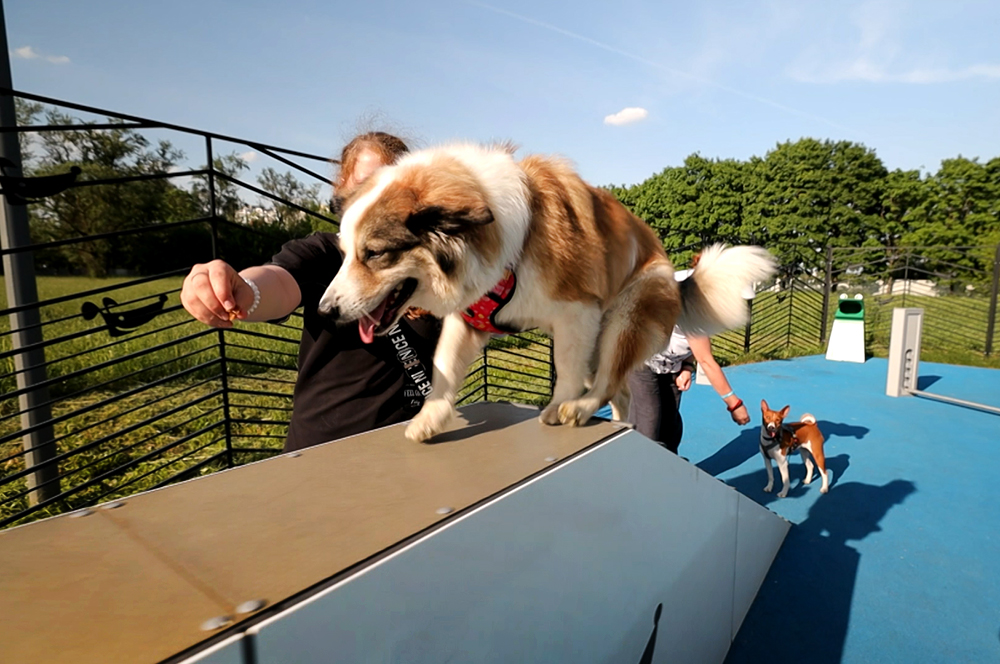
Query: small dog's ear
point(763, 405)
point(785, 411)
point(450, 221)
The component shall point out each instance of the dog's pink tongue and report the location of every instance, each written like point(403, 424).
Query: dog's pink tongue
point(366, 324)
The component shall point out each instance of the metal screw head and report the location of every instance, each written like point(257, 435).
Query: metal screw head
point(215, 623)
point(113, 505)
point(292, 455)
point(81, 513)
point(251, 605)
point(551, 459)
point(445, 510)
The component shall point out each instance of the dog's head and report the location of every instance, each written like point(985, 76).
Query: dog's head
point(772, 419)
point(410, 235)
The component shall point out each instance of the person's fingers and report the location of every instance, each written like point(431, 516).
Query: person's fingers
point(202, 313)
point(222, 278)
point(199, 298)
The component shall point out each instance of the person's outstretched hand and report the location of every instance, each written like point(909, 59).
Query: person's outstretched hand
point(740, 415)
point(214, 293)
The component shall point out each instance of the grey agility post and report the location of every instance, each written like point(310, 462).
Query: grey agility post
point(904, 352)
point(26, 332)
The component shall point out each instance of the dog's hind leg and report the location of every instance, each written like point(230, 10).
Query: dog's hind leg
point(574, 336)
point(807, 460)
point(458, 346)
point(637, 325)
point(817, 453)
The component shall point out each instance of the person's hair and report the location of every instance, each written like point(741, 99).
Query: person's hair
point(388, 147)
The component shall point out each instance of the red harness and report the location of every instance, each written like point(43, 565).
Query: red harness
point(482, 314)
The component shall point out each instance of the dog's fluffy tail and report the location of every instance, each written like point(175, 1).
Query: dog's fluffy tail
point(712, 297)
point(807, 418)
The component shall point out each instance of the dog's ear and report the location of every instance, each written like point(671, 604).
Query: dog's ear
point(763, 405)
point(784, 411)
point(449, 220)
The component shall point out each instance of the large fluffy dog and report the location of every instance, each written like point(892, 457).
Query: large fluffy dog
point(439, 229)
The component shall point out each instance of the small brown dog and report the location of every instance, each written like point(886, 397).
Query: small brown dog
point(778, 440)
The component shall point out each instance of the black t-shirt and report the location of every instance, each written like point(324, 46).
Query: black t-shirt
point(345, 386)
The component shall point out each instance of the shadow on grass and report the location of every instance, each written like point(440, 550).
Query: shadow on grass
point(814, 574)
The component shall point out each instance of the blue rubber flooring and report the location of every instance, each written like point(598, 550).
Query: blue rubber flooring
point(900, 561)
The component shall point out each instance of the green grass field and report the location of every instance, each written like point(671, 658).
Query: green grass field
point(137, 411)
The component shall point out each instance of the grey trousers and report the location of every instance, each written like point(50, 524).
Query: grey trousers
point(655, 407)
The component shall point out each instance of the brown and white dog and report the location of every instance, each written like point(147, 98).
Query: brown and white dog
point(439, 229)
point(778, 440)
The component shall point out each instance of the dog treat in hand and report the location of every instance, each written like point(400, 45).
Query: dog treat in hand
point(233, 314)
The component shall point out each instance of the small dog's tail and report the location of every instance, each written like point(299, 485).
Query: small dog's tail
point(807, 418)
point(712, 298)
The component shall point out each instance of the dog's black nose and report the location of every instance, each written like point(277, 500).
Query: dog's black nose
point(329, 312)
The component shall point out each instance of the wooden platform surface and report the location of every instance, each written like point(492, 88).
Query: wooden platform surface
point(137, 582)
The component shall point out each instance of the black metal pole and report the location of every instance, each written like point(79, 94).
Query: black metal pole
point(223, 365)
point(827, 289)
point(992, 320)
point(25, 324)
point(748, 327)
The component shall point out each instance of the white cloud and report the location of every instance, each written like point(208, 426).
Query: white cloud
point(249, 157)
point(29, 53)
point(876, 53)
point(626, 116)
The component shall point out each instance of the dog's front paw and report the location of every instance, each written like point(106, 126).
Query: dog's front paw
point(768, 488)
point(430, 421)
point(577, 411)
point(782, 493)
point(550, 415)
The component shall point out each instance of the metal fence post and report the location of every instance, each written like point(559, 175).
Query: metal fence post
point(25, 324)
point(486, 374)
point(213, 212)
point(748, 327)
point(992, 320)
point(827, 289)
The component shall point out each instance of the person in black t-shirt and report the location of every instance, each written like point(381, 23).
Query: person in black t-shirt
point(344, 386)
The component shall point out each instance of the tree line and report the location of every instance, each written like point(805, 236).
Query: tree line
point(805, 195)
point(810, 194)
point(124, 190)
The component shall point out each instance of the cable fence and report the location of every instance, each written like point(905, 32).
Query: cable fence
point(108, 387)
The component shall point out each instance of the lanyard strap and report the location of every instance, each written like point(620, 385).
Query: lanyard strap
point(410, 359)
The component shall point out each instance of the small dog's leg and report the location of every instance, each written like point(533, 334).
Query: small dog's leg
point(806, 455)
point(574, 335)
point(783, 467)
point(457, 348)
point(817, 452)
point(770, 472)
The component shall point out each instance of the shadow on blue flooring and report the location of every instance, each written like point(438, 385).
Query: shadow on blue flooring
point(923, 382)
point(813, 574)
point(747, 445)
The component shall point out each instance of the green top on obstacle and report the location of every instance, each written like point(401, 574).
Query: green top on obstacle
point(850, 308)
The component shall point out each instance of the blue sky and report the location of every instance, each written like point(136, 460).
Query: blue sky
point(917, 81)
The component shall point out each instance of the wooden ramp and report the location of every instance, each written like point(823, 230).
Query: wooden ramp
point(505, 541)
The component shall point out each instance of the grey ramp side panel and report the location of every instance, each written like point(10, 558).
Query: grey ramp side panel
point(568, 568)
point(759, 535)
point(230, 651)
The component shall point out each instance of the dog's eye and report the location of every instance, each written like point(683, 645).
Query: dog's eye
point(373, 253)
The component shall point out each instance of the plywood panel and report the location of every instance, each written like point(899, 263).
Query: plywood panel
point(79, 590)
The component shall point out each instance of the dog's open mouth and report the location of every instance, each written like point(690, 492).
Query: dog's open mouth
point(381, 318)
